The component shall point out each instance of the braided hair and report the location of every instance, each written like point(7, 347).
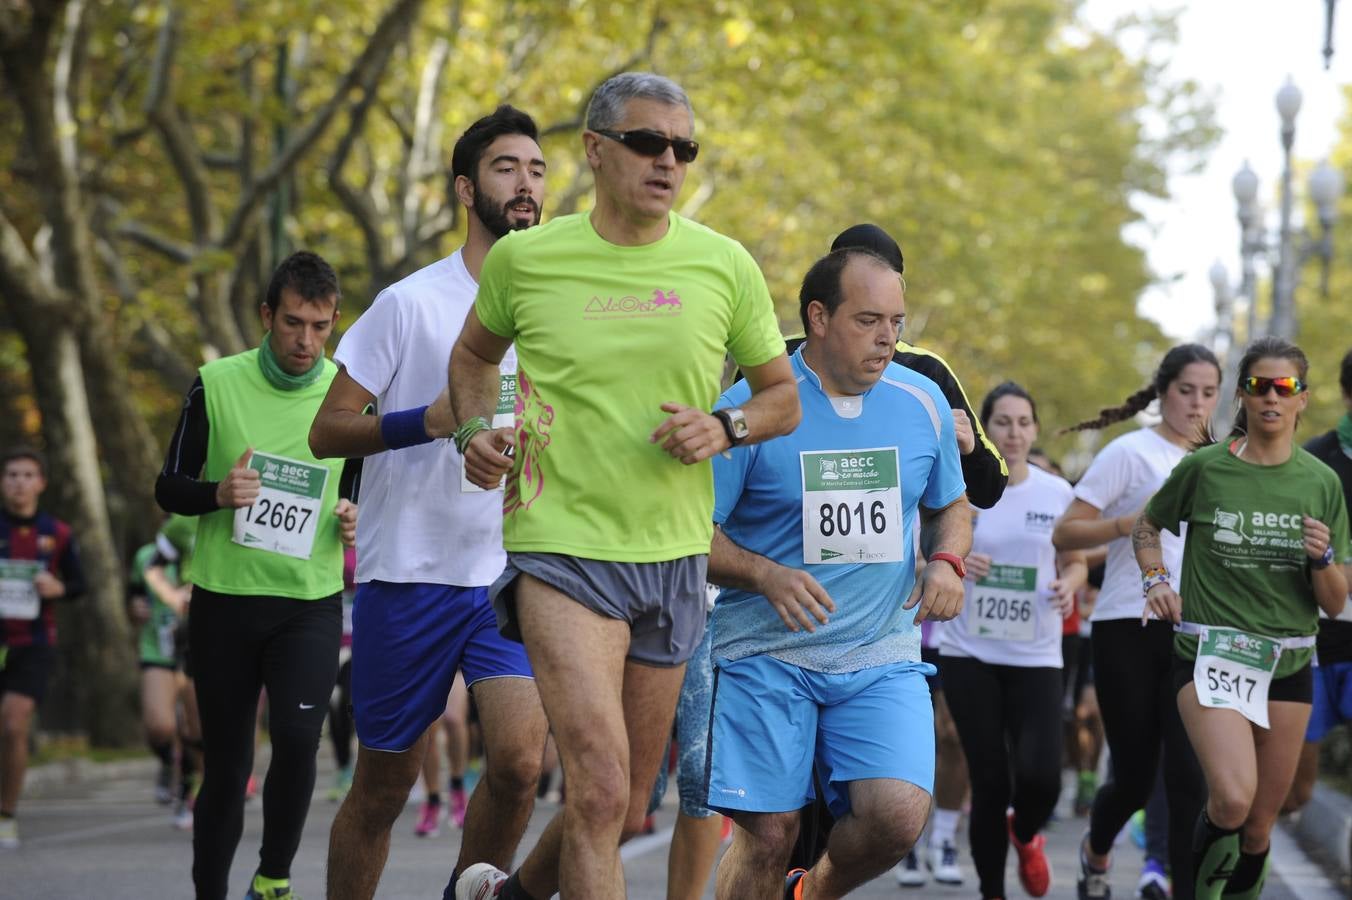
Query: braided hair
point(1173, 364)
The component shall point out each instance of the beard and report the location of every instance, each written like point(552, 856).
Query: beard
point(495, 216)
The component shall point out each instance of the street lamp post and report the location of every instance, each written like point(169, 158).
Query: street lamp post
point(1292, 247)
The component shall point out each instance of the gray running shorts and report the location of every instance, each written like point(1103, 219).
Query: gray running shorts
point(663, 602)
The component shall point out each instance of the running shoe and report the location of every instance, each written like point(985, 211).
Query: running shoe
point(1092, 883)
point(1154, 883)
point(725, 833)
point(480, 881)
point(1136, 829)
point(9, 834)
point(943, 862)
point(164, 784)
point(429, 820)
point(183, 816)
point(272, 889)
point(251, 788)
point(793, 884)
point(908, 871)
point(458, 807)
point(1034, 873)
point(1085, 790)
point(342, 783)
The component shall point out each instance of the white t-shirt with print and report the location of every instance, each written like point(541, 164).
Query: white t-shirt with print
point(1017, 535)
point(416, 522)
point(1120, 480)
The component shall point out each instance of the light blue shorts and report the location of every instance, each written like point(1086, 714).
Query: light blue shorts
point(773, 722)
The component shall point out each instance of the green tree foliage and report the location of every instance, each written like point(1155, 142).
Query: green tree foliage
point(1000, 141)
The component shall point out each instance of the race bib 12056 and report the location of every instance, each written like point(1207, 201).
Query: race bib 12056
point(285, 516)
point(1003, 605)
point(852, 506)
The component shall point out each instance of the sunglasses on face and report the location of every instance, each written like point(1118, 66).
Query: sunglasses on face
point(1285, 387)
point(650, 143)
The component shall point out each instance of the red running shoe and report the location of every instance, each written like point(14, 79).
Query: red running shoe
point(1034, 873)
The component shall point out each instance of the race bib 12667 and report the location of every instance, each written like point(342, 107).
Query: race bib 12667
point(852, 506)
point(285, 517)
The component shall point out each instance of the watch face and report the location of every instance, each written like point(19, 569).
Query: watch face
point(739, 426)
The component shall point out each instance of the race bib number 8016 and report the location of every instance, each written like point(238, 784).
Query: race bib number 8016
point(852, 506)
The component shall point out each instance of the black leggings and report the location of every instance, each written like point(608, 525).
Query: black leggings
point(340, 717)
point(1133, 674)
point(241, 645)
point(1009, 722)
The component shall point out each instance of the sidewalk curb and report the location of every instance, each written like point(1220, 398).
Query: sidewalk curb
point(42, 780)
point(1325, 829)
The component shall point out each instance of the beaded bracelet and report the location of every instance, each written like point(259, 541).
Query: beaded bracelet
point(1153, 576)
point(467, 430)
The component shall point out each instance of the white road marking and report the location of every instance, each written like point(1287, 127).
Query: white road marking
point(1296, 870)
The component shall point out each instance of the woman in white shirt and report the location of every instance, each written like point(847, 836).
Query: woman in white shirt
point(1001, 658)
point(1133, 664)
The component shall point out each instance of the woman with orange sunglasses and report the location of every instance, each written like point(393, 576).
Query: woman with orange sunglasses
point(1266, 523)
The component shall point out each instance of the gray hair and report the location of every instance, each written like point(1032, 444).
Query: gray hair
point(607, 105)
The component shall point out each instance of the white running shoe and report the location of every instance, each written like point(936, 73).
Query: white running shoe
point(943, 863)
point(183, 816)
point(481, 881)
point(9, 834)
point(908, 871)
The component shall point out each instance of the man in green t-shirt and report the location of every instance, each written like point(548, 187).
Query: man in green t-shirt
point(621, 320)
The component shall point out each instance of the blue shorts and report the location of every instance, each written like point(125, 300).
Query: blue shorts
point(408, 640)
point(773, 721)
point(1332, 699)
point(692, 735)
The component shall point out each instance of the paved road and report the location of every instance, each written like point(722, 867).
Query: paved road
point(105, 838)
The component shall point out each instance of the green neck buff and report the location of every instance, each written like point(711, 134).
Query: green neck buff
point(278, 377)
point(1345, 433)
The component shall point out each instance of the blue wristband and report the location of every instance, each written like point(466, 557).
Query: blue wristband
point(404, 428)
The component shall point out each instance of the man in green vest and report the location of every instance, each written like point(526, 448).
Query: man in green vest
point(267, 571)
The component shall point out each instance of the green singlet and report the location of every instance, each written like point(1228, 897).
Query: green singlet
point(155, 644)
point(1244, 562)
point(604, 335)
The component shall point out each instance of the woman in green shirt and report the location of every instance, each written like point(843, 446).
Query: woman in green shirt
point(1265, 521)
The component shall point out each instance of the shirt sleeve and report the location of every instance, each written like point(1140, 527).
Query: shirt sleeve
point(70, 571)
point(492, 304)
point(730, 471)
point(945, 479)
point(369, 350)
point(1171, 506)
point(178, 489)
point(753, 337)
point(984, 468)
point(1106, 479)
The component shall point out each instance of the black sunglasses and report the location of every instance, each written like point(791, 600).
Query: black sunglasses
point(650, 143)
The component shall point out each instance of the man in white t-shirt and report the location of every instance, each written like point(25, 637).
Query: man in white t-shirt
point(428, 542)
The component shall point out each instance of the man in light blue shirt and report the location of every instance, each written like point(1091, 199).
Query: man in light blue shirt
point(816, 637)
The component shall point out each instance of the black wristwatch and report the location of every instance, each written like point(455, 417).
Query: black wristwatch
point(1324, 561)
point(734, 424)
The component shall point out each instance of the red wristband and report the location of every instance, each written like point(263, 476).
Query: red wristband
point(953, 560)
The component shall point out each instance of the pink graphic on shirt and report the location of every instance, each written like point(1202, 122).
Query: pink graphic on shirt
point(533, 420)
point(668, 299)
